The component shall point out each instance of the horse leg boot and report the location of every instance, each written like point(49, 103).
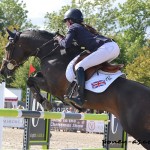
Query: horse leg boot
point(34, 83)
point(42, 100)
point(80, 75)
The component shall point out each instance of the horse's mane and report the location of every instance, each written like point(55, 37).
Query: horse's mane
point(37, 34)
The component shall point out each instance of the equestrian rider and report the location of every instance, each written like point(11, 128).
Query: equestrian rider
point(102, 48)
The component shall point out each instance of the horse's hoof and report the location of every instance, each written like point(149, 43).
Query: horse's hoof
point(46, 105)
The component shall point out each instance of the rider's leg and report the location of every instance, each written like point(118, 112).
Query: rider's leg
point(106, 52)
point(80, 76)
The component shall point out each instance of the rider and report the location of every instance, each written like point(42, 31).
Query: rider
point(102, 48)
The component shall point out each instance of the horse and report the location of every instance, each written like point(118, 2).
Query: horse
point(128, 100)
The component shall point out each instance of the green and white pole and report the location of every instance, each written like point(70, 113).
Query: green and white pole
point(50, 115)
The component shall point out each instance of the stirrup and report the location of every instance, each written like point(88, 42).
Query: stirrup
point(75, 100)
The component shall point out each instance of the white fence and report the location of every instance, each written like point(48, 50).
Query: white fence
point(2, 88)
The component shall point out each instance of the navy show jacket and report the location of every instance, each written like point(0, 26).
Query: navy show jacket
point(83, 37)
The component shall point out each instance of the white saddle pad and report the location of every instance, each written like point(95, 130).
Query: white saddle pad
point(100, 81)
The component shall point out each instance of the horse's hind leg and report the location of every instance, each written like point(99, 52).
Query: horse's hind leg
point(35, 84)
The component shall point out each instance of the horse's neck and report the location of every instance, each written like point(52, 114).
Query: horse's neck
point(41, 50)
point(55, 67)
point(59, 55)
point(55, 78)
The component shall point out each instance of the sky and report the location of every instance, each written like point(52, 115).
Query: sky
point(38, 9)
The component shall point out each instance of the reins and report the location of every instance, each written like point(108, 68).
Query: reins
point(40, 48)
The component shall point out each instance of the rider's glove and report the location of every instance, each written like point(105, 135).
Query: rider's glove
point(58, 37)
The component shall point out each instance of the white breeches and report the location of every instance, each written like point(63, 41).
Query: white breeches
point(107, 52)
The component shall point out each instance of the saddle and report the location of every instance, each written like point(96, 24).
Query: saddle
point(72, 90)
point(106, 66)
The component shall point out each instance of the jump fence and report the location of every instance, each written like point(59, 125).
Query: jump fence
point(29, 114)
point(50, 115)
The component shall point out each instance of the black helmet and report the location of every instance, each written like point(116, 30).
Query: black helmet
point(74, 14)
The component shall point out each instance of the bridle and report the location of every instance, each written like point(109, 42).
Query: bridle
point(11, 63)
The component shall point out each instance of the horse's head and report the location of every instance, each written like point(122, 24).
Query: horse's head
point(39, 43)
point(12, 54)
point(20, 46)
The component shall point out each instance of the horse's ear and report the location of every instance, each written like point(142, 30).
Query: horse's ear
point(11, 34)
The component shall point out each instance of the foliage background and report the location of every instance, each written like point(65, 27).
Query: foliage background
point(128, 24)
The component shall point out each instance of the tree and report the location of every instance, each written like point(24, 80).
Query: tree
point(139, 70)
point(134, 21)
point(13, 14)
point(99, 14)
point(127, 24)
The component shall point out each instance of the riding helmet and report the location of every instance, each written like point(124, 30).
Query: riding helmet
point(74, 14)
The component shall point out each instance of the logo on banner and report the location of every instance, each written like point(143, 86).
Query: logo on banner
point(35, 106)
point(91, 125)
point(113, 127)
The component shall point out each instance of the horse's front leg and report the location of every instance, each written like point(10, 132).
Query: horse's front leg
point(35, 84)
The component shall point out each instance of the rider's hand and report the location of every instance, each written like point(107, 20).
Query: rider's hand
point(58, 37)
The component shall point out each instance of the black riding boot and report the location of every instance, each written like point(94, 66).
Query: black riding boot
point(79, 100)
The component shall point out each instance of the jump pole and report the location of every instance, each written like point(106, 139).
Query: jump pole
point(2, 98)
point(50, 115)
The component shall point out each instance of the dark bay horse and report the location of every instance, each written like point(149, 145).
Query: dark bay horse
point(128, 100)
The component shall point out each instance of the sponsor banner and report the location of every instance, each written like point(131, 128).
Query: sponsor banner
point(78, 125)
point(37, 129)
point(13, 122)
point(69, 125)
point(37, 126)
point(64, 124)
point(95, 126)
